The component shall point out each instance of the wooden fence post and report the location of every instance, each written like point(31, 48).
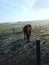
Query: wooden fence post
point(38, 52)
point(13, 30)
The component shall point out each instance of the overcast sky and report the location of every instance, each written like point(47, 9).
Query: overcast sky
point(23, 10)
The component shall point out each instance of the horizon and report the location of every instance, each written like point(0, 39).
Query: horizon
point(12, 11)
point(34, 22)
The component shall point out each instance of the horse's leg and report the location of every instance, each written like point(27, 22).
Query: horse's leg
point(27, 36)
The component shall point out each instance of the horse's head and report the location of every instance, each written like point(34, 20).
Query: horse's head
point(29, 27)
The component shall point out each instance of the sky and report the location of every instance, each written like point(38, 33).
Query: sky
point(23, 10)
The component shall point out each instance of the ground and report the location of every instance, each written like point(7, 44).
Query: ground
point(15, 51)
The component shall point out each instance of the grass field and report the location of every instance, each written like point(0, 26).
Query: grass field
point(24, 53)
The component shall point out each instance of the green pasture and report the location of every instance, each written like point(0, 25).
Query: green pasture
point(7, 28)
point(37, 31)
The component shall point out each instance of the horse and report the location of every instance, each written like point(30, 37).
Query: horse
point(27, 31)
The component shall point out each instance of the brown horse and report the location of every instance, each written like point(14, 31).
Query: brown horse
point(27, 31)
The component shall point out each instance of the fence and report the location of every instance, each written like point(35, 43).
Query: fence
point(38, 52)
